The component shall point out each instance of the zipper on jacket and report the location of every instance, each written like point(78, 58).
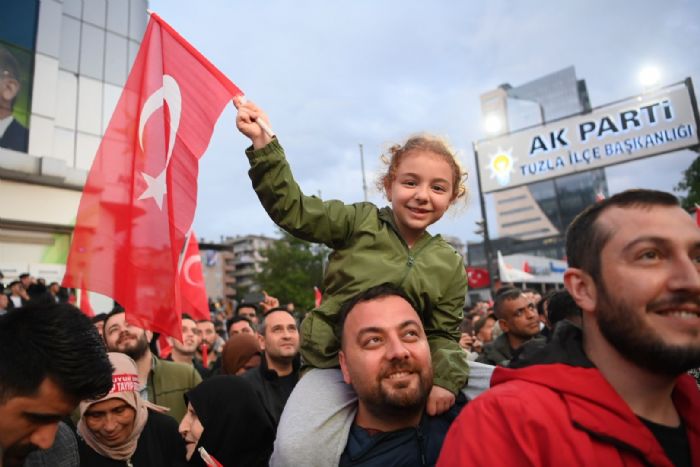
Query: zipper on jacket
point(421, 448)
point(411, 259)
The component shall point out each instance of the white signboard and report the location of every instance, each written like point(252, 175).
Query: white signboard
point(530, 268)
point(654, 123)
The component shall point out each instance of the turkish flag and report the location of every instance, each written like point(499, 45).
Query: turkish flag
point(140, 195)
point(697, 215)
point(477, 278)
point(85, 305)
point(194, 292)
point(317, 297)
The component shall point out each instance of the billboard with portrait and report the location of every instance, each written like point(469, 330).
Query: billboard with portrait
point(17, 45)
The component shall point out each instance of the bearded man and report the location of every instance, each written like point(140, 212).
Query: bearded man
point(385, 357)
point(613, 392)
point(162, 382)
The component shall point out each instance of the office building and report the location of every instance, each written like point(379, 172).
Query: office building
point(70, 60)
point(542, 209)
point(248, 259)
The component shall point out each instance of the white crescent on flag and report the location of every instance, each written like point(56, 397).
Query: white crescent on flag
point(189, 262)
point(170, 93)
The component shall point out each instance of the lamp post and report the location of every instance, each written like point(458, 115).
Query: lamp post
point(649, 76)
point(364, 181)
point(488, 251)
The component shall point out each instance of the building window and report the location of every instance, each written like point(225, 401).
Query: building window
point(529, 220)
point(517, 210)
point(511, 199)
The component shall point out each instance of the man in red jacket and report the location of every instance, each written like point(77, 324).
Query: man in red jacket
point(614, 392)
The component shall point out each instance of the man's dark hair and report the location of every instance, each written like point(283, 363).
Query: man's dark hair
point(231, 321)
point(544, 302)
point(585, 240)
point(373, 293)
point(187, 316)
point(57, 342)
point(102, 317)
point(562, 306)
point(247, 305)
point(503, 296)
point(262, 325)
point(8, 63)
point(118, 309)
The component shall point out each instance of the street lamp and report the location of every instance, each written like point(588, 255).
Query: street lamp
point(493, 124)
point(649, 76)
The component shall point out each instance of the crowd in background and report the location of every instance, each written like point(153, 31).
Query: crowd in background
point(218, 395)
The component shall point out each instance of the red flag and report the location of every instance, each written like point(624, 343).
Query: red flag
point(194, 292)
point(477, 278)
point(164, 347)
point(317, 297)
point(85, 305)
point(139, 199)
point(526, 267)
point(204, 349)
point(697, 215)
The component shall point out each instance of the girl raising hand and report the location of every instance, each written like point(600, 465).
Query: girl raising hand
point(371, 246)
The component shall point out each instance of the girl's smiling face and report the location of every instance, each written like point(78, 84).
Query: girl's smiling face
point(421, 191)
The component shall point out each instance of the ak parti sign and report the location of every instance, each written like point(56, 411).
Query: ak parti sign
point(653, 123)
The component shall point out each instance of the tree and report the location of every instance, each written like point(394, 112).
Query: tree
point(292, 269)
point(691, 184)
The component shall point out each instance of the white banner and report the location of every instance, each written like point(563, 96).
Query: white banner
point(653, 123)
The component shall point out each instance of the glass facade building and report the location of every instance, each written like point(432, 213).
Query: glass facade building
point(73, 58)
point(542, 209)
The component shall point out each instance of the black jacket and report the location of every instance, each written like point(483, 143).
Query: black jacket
point(160, 444)
point(497, 352)
point(15, 137)
point(415, 446)
point(272, 389)
point(565, 346)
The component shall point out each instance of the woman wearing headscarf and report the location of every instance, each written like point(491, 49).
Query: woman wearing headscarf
point(226, 418)
point(121, 429)
point(240, 354)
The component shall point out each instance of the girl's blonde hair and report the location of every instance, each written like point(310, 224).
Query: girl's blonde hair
point(429, 143)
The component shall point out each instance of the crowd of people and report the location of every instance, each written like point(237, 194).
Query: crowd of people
point(389, 369)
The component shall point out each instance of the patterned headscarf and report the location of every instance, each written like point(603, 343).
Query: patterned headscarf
point(125, 386)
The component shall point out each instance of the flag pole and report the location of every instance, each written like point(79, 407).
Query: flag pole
point(264, 126)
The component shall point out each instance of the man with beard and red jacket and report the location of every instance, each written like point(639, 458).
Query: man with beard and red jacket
point(613, 392)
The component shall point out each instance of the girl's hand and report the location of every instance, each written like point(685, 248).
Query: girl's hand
point(246, 122)
point(439, 401)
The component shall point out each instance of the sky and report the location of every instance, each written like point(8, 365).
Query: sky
point(334, 75)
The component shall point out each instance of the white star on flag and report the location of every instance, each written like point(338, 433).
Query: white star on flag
point(156, 188)
point(170, 94)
